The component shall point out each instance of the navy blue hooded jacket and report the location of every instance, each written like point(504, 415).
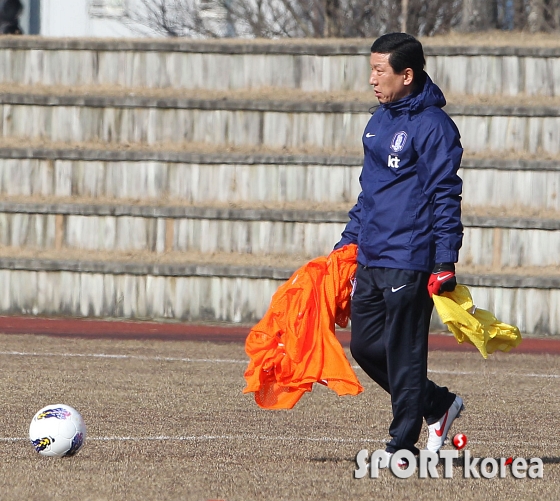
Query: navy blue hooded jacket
point(408, 214)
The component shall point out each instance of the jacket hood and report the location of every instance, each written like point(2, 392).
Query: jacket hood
point(428, 94)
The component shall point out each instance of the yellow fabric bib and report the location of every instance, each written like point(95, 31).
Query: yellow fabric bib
point(474, 325)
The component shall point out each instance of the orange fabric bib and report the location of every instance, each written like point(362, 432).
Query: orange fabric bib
point(294, 344)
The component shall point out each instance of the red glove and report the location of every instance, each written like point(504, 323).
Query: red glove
point(442, 279)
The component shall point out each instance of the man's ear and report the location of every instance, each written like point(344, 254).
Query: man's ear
point(408, 75)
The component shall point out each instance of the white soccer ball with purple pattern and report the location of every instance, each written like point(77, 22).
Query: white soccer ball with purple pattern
point(57, 430)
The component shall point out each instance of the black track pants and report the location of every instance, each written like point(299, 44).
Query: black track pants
point(391, 312)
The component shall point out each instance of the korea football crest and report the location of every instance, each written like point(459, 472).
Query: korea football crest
point(399, 140)
point(397, 145)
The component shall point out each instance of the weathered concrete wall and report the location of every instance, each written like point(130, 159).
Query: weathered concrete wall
point(341, 65)
point(194, 182)
point(537, 186)
point(196, 178)
point(151, 125)
point(211, 292)
point(496, 74)
point(509, 247)
point(205, 178)
point(230, 295)
point(200, 298)
point(277, 124)
point(489, 241)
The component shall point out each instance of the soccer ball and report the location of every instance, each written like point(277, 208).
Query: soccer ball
point(57, 430)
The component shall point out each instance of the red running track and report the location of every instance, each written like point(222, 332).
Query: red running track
point(109, 329)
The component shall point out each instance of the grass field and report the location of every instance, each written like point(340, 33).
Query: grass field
point(168, 420)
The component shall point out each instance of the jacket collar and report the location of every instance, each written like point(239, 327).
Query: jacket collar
point(427, 94)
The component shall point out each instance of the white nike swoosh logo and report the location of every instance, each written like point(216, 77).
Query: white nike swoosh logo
point(444, 277)
point(370, 135)
point(398, 288)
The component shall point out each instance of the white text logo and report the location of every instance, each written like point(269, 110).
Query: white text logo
point(427, 461)
point(393, 161)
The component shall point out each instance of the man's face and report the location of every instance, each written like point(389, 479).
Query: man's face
point(388, 85)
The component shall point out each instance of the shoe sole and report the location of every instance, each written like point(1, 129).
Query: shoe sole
point(461, 409)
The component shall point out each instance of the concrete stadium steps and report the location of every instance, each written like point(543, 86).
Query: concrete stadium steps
point(187, 177)
point(134, 290)
point(293, 123)
point(157, 228)
point(94, 287)
point(500, 241)
point(211, 177)
point(134, 227)
point(510, 242)
point(148, 121)
point(303, 64)
point(503, 182)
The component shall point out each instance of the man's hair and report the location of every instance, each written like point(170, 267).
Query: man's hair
point(404, 52)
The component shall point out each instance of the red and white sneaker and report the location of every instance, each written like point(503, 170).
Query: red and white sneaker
point(437, 432)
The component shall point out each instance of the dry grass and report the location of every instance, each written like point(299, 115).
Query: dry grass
point(182, 429)
point(277, 261)
point(488, 38)
point(212, 148)
point(513, 211)
point(261, 93)
point(496, 38)
point(165, 201)
point(282, 94)
point(526, 271)
point(289, 261)
point(174, 147)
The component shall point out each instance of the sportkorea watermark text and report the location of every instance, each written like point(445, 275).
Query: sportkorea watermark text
point(404, 464)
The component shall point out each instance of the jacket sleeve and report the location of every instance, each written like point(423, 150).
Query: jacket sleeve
point(350, 233)
point(440, 152)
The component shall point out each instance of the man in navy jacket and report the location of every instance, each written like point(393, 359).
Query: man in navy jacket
point(407, 225)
